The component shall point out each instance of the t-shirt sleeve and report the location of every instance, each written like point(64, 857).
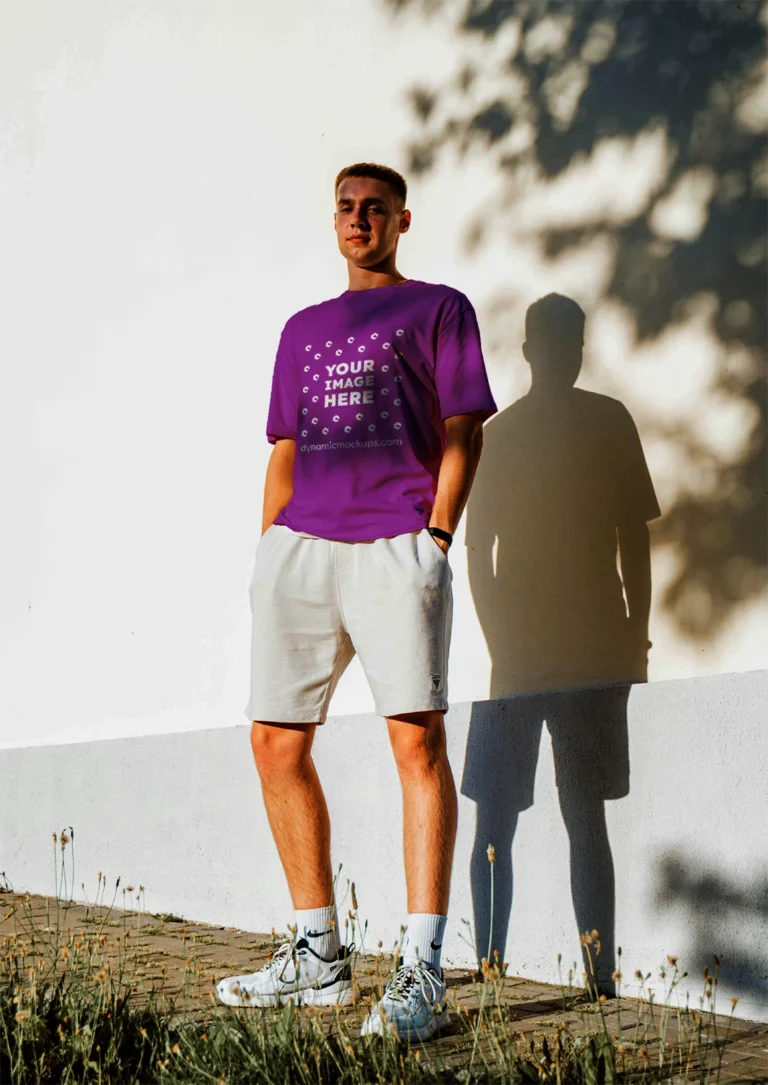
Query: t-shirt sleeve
point(460, 376)
point(283, 412)
point(636, 496)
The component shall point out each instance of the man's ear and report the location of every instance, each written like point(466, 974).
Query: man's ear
point(527, 353)
point(405, 221)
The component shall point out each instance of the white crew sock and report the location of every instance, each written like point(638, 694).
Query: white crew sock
point(424, 939)
point(320, 927)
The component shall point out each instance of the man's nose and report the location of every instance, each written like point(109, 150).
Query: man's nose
point(360, 220)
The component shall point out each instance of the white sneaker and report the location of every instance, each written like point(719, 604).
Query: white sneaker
point(413, 1006)
point(295, 974)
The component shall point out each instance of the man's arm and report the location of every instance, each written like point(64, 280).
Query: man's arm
point(278, 484)
point(457, 470)
point(635, 557)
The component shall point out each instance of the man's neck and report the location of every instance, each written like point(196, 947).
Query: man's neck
point(363, 278)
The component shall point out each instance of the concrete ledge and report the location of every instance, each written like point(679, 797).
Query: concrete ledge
point(683, 837)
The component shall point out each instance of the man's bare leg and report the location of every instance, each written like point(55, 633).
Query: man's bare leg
point(414, 1000)
point(312, 967)
point(429, 808)
point(296, 809)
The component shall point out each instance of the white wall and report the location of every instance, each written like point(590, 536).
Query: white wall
point(167, 198)
point(182, 816)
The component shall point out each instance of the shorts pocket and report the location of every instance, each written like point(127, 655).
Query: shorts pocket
point(263, 537)
point(435, 545)
point(262, 556)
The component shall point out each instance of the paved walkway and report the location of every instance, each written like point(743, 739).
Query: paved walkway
point(184, 960)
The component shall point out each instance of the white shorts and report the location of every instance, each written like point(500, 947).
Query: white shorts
point(315, 602)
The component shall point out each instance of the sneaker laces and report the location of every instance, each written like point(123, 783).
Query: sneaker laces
point(285, 952)
point(409, 976)
point(279, 958)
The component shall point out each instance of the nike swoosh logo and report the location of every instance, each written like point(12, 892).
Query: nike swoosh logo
point(288, 986)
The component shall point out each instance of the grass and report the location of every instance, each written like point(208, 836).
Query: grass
point(74, 1007)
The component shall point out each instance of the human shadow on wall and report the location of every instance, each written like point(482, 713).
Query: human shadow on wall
point(562, 489)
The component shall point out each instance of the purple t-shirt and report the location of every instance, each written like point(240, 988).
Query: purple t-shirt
point(362, 383)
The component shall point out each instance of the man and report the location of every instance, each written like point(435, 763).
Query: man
point(378, 402)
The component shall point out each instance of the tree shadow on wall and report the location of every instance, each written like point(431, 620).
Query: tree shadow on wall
point(544, 87)
point(562, 490)
point(721, 919)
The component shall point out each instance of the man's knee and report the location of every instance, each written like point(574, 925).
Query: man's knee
point(418, 742)
point(279, 749)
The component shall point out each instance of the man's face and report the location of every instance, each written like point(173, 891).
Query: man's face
point(369, 219)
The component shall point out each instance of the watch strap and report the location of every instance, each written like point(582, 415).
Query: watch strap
point(438, 533)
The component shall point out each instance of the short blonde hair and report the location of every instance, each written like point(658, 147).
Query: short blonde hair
point(391, 177)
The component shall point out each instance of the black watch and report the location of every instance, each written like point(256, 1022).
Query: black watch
point(438, 533)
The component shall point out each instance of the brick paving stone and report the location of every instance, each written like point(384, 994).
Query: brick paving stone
point(182, 960)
